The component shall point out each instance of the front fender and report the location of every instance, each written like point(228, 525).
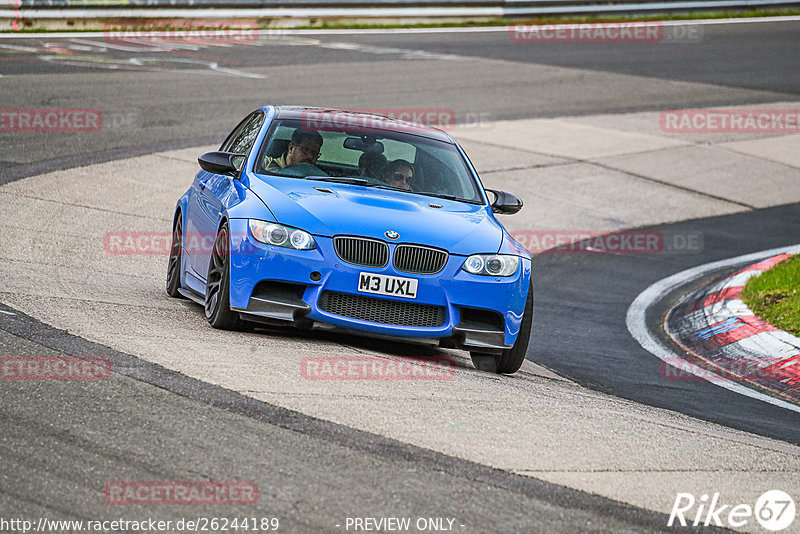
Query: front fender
point(251, 206)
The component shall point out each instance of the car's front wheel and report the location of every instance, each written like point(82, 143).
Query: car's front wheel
point(510, 360)
point(217, 301)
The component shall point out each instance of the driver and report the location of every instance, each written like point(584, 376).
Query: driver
point(400, 174)
point(304, 147)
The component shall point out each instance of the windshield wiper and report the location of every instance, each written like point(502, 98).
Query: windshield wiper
point(441, 195)
point(426, 193)
point(390, 188)
point(339, 180)
point(351, 180)
point(273, 173)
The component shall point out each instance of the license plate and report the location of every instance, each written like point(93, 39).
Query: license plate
point(382, 284)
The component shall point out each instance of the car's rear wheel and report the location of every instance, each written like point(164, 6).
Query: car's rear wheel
point(175, 257)
point(217, 301)
point(510, 360)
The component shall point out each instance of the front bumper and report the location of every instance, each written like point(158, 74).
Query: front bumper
point(278, 284)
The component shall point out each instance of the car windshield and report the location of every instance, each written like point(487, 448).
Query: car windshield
point(370, 157)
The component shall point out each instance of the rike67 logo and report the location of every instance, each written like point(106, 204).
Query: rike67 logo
point(774, 510)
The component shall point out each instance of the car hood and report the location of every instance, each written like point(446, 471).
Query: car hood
point(328, 209)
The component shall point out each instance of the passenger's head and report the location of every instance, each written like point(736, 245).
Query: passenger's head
point(400, 174)
point(371, 165)
point(304, 147)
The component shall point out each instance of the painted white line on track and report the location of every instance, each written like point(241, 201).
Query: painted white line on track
point(146, 47)
point(7, 312)
point(19, 48)
point(637, 326)
point(373, 31)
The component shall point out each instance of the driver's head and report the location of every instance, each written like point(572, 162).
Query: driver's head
point(400, 174)
point(304, 147)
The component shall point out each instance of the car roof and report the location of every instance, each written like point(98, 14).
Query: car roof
point(357, 119)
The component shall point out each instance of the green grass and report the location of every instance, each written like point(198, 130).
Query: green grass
point(566, 19)
point(504, 21)
point(774, 295)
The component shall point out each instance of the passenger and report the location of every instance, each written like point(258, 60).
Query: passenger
point(304, 147)
point(400, 174)
point(371, 165)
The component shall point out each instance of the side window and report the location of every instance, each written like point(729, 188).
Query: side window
point(244, 137)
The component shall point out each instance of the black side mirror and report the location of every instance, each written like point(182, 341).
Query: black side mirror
point(219, 162)
point(505, 202)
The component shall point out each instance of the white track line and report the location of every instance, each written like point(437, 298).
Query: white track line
point(635, 319)
point(365, 31)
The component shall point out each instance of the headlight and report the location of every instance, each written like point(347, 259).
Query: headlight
point(281, 236)
point(492, 264)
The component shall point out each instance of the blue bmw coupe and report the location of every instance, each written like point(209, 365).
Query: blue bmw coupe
point(319, 218)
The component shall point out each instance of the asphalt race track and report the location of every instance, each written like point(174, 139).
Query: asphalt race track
point(165, 99)
point(600, 353)
point(153, 420)
point(311, 474)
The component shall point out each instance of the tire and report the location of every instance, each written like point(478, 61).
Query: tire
point(217, 300)
point(511, 359)
point(175, 258)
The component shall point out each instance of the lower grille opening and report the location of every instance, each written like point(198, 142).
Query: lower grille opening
point(276, 303)
point(383, 311)
point(281, 291)
point(481, 319)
